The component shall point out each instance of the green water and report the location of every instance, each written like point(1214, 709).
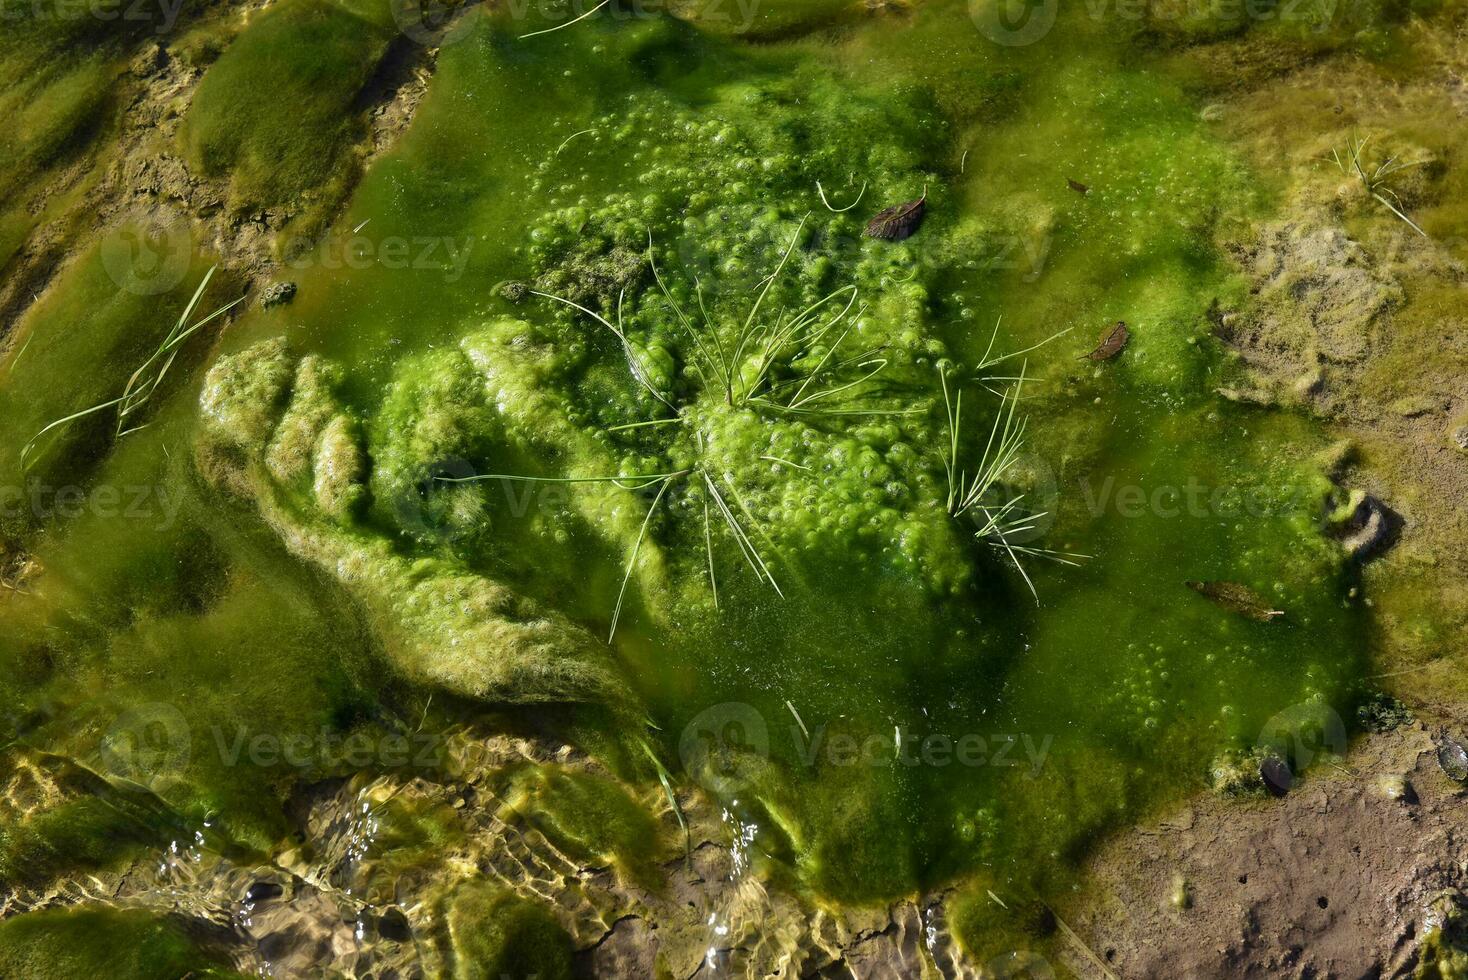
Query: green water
point(907, 714)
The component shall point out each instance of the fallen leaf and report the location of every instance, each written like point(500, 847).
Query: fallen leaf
point(1112, 341)
point(1077, 186)
point(899, 221)
point(1237, 598)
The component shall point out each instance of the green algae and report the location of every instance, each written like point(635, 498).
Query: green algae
point(565, 384)
point(131, 944)
point(1443, 951)
point(276, 112)
point(590, 817)
point(894, 621)
point(495, 934)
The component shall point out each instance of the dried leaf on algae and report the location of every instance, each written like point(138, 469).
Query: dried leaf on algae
point(1113, 340)
point(1238, 599)
point(899, 221)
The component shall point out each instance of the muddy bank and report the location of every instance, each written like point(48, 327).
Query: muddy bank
point(1337, 879)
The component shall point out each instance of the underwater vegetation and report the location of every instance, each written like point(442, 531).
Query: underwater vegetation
point(810, 434)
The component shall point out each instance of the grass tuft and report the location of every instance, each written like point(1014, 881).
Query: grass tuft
point(1374, 179)
point(144, 382)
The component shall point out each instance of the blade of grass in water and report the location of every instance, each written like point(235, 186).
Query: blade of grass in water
point(145, 381)
point(636, 550)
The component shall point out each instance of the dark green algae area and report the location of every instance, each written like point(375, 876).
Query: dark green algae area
point(893, 619)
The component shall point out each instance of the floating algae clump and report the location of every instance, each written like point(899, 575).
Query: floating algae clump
point(275, 432)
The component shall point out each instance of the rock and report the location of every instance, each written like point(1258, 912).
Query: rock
point(153, 59)
point(1452, 757)
point(393, 924)
point(1276, 775)
point(1235, 774)
point(1394, 787)
point(1369, 528)
point(277, 294)
point(263, 891)
point(1181, 896)
point(1459, 437)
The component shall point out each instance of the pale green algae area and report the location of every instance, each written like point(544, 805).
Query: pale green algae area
point(893, 620)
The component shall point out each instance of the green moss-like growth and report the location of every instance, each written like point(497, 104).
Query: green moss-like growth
point(81, 834)
point(93, 328)
point(48, 114)
point(443, 623)
point(275, 114)
point(589, 816)
point(1443, 953)
point(493, 933)
point(61, 944)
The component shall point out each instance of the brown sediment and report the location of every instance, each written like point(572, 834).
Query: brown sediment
point(133, 173)
point(1335, 879)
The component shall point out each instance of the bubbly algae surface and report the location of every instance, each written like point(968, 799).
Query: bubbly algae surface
point(529, 449)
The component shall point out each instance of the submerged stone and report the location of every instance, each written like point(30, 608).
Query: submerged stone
point(1452, 758)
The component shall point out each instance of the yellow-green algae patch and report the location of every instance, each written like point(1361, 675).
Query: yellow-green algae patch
point(493, 933)
point(557, 164)
point(895, 624)
point(129, 945)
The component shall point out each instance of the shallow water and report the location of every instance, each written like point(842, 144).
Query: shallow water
point(908, 714)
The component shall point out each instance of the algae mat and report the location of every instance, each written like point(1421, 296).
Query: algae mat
point(598, 416)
